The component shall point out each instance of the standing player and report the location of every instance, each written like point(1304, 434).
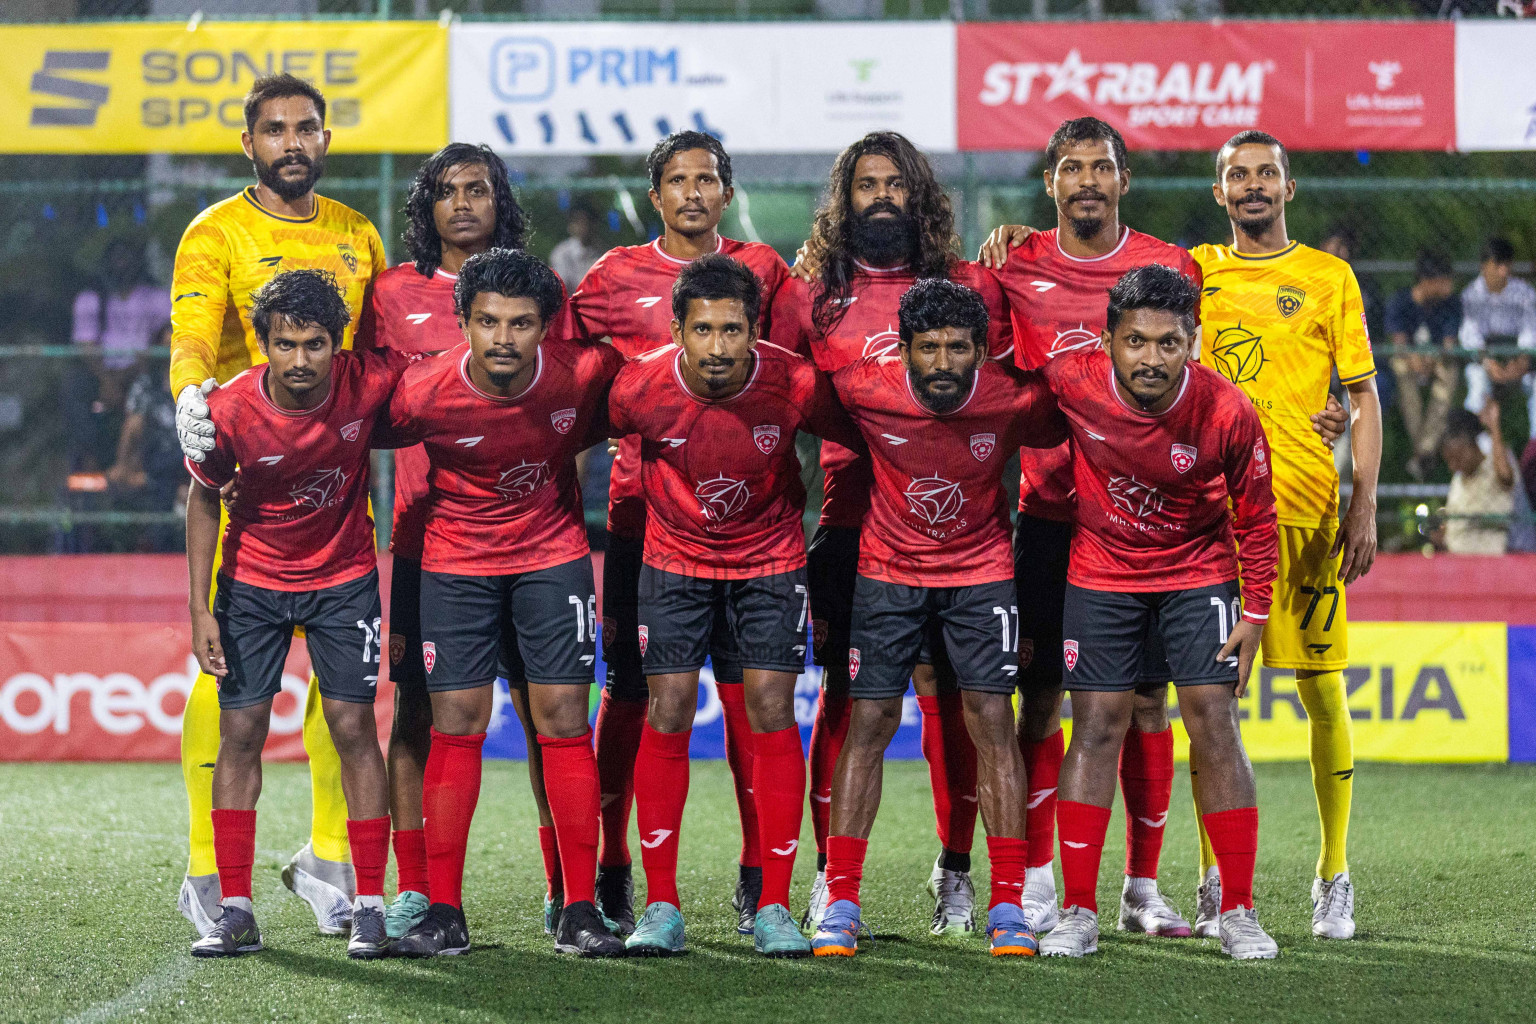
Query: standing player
point(626, 298)
point(885, 223)
point(716, 416)
point(1159, 447)
point(1278, 319)
point(934, 571)
point(505, 569)
point(298, 553)
point(228, 251)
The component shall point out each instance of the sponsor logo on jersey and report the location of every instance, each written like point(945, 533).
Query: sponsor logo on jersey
point(648, 300)
point(319, 489)
point(348, 256)
point(522, 479)
point(351, 430)
point(270, 261)
point(1096, 437)
point(563, 420)
point(1133, 497)
point(1183, 457)
point(270, 460)
point(1026, 652)
point(1288, 300)
point(1260, 459)
point(1073, 338)
point(720, 497)
point(818, 633)
point(676, 442)
point(1069, 654)
point(645, 639)
point(470, 442)
point(766, 437)
point(1239, 353)
point(428, 655)
point(893, 439)
point(1042, 286)
point(934, 499)
point(882, 343)
point(854, 659)
point(983, 445)
point(418, 318)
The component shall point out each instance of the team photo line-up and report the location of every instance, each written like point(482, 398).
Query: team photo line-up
point(1177, 516)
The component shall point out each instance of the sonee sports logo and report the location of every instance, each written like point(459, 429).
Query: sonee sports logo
point(1183, 457)
point(853, 663)
point(766, 437)
point(428, 655)
point(983, 445)
point(1069, 654)
point(935, 499)
point(563, 420)
point(87, 97)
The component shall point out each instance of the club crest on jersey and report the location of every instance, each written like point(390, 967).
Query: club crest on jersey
point(934, 499)
point(766, 437)
point(1239, 353)
point(1183, 457)
point(563, 420)
point(348, 255)
point(1133, 497)
point(522, 480)
point(854, 660)
point(1260, 459)
point(319, 489)
point(1026, 653)
point(351, 430)
point(983, 445)
point(645, 639)
point(428, 655)
point(1069, 654)
point(1288, 300)
point(396, 648)
point(818, 633)
point(720, 497)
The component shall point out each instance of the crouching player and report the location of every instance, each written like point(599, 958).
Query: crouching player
point(935, 571)
point(298, 552)
point(1159, 446)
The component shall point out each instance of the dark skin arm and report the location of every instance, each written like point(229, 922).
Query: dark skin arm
point(1355, 542)
point(202, 541)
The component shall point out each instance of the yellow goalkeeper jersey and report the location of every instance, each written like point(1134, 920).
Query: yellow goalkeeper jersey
point(234, 247)
point(1277, 325)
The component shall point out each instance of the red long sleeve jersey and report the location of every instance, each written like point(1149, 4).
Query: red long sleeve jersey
point(302, 520)
point(721, 479)
point(502, 479)
point(1152, 490)
point(937, 515)
point(1058, 303)
point(627, 297)
point(869, 327)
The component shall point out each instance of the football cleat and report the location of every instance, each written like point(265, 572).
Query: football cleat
point(583, 932)
point(1076, 934)
point(442, 932)
point(818, 904)
point(838, 933)
point(1333, 907)
point(616, 897)
point(774, 933)
point(370, 934)
point(405, 913)
point(1143, 909)
point(749, 890)
point(954, 910)
point(1039, 899)
point(1208, 906)
point(1243, 939)
point(554, 902)
point(234, 933)
point(1009, 931)
point(326, 885)
point(659, 933)
point(198, 902)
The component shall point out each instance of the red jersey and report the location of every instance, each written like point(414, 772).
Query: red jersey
point(1058, 304)
point(937, 516)
point(1152, 490)
point(627, 297)
point(502, 479)
point(721, 478)
point(302, 520)
point(869, 327)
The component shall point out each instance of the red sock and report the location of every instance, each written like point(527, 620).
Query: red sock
point(778, 784)
point(845, 867)
point(661, 789)
point(1146, 778)
point(234, 850)
point(951, 770)
point(1082, 844)
point(738, 754)
point(618, 741)
point(1235, 840)
point(570, 782)
point(827, 737)
point(448, 800)
point(1008, 857)
point(550, 852)
point(369, 839)
point(411, 861)
point(1042, 769)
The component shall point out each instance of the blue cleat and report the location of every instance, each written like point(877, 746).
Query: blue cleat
point(659, 933)
point(838, 933)
point(774, 933)
point(1010, 932)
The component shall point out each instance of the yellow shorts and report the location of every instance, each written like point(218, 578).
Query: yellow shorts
point(1308, 626)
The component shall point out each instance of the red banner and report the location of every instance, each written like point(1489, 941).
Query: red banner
point(1176, 85)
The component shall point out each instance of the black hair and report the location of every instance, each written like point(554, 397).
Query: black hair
point(302, 297)
point(512, 273)
point(1345, 234)
point(935, 303)
point(717, 276)
point(1462, 423)
point(421, 238)
point(681, 142)
point(1431, 265)
point(1254, 137)
point(1084, 129)
point(1499, 250)
point(1153, 287)
point(277, 87)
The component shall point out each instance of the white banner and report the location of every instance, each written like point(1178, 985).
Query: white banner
point(604, 87)
point(1495, 85)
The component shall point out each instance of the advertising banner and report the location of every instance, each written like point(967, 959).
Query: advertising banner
point(1495, 85)
point(608, 87)
point(159, 88)
point(1315, 85)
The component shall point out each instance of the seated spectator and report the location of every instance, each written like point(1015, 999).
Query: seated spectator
point(572, 258)
point(1499, 309)
point(1481, 498)
point(1425, 316)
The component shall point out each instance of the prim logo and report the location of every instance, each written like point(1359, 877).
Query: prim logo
point(563, 420)
point(720, 497)
point(1073, 338)
point(418, 318)
point(648, 300)
point(766, 437)
point(1239, 353)
point(522, 480)
point(321, 487)
point(882, 343)
point(1134, 498)
point(87, 97)
point(935, 500)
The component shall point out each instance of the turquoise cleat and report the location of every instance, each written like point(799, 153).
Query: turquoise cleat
point(774, 933)
point(659, 933)
point(1010, 932)
point(838, 934)
point(405, 913)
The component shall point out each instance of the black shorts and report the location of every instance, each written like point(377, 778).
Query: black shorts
point(405, 668)
point(894, 625)
point(832, 569)
point(756, 623)
point(1041, 551)
point(1131, 641)
point(535, 626)
point(341, 629)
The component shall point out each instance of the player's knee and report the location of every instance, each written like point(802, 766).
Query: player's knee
point(1039, 713)
point(559, 712)
point(873, 723)
point(1322, 696)
point(1150, 714)
point(353, 727)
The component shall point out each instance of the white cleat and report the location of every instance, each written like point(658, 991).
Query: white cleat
point(954, 911)
point(1076, 934)
point(198, 902)
point(1243, 939)
point(1333, 907)
point(1208, 906)
point(818, 905)
point(1144, 909)
point(1039, 899)
point(326, 885)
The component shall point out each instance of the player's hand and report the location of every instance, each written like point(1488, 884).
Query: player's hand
point(802, 267)
point(1355, 543)
point(613, 447)
point(1489, 417)
point(1244, 640)
point(1330, 423)
point(205, 643)
point(229, 494)
point(194, 427)
point(994, 251)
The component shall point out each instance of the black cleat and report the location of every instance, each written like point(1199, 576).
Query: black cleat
point(443, 932)
point(234, 933)
point(749, 890)
point(582, 931)
point(616, 896)
point(369, 939)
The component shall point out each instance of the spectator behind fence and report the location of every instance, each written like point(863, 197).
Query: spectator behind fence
point(572, 258)
point(1499, 309)
point(1482, 483)
point(1425, 316)
point(148, 472)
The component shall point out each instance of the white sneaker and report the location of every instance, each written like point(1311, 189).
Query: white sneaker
point(1243, 939)
point(1208, 906)
point(1144, 909)
point(1333, 907)
point(1039, 899)
point(326, 885)
point(954, 911)
point(817, 908)
point(1076, 934)
point(198, 902)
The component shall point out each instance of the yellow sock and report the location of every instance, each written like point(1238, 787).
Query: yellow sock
point(1333, 764)
point(1207, 854)
point(328, 823)
point(199, 750)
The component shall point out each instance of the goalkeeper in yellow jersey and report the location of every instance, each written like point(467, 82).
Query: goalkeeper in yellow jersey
point(1278, 318)
point(228, 251)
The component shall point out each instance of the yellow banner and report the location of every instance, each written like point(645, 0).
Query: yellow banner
point(159, 88)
